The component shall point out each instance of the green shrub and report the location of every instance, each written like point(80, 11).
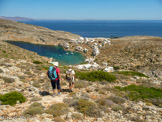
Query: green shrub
point(132, 73)
point(35, 108)
point(95, 76)
point(37, 62)
point(11, 98)
point(57, 109)
point(116, 67)
point(88, 108)
point(137, 93)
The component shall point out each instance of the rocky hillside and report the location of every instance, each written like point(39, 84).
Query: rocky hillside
point(134, 53)
point(25, 72)
point(10, 30)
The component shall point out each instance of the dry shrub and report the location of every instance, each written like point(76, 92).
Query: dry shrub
point(35, 108)
point(117, 99)
point(58, 109)
point(88, 108)
point(77, 116)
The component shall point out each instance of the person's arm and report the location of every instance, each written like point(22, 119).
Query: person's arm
point(74, 75)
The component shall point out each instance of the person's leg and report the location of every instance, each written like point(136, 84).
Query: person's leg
point(72, 86)
point(58, 86)
point(53, 83)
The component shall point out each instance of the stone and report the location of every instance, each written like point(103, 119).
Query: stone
point(8, 79)
point(90, 60)
point(66, 45)
point(68, 116)
point(99, 120)
point(95, 51)
point(79, 48)
point(1, 71)
point(47, 120)
point(109, 69)
point(85, 50)
point(88, 66)
point(104, 63)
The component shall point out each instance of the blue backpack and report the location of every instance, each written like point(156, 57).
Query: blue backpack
point(52, 73)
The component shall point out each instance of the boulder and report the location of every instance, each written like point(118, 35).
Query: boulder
point(85, 50)
point(104, 63)
point(1, 71)
point(81, 39)
point(109, 69)
point(88, 66)
point(66, 45)
point(90, 60)
point(79, 48)
point(95, 51)
point(8, 79)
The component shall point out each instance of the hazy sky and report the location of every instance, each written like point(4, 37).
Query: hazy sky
point(83, 9)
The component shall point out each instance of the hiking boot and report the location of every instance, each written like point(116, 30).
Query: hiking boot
point(54, 94)
point(58, 93)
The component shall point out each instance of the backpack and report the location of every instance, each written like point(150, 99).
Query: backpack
point(52, 73)
point(69, 75)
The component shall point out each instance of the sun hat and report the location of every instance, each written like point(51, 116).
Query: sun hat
point(55, 63)
point(70, 66)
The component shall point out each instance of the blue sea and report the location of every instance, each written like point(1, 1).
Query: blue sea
point(105, 28)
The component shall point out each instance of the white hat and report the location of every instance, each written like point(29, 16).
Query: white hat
point(70, 66)
point(55, 63)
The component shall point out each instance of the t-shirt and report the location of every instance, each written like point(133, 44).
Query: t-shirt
point(72, 72)
point(57, 72)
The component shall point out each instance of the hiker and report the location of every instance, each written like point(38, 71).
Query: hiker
point(70, 76)
point(55, 77)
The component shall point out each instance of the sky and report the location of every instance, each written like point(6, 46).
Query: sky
point(83, 9)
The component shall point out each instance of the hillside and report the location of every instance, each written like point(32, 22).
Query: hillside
point(139, 53)
point(103, 101)
point(16, 31)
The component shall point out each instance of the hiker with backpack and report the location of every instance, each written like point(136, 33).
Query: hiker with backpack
point(55, 77)
point(70, 77)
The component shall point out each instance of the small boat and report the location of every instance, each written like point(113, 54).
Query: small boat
point(67, 53)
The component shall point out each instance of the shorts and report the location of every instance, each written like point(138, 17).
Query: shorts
point(56, 83)
point(71, 81)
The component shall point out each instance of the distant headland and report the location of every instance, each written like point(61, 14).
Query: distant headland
point(16, 18)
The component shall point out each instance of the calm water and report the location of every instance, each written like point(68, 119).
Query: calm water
point(58, 53)
point(104, 28)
